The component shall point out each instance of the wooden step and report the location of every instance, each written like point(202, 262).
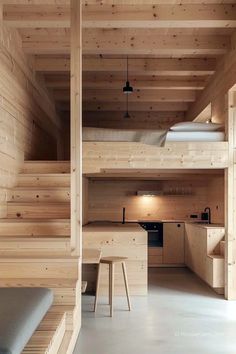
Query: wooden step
point(35, 228)
point(215, 271)
point(41, 267)
point(35, 194)
point(222, 248)
point(15, 246)
point(45, 167)
point(38, 282)
point(26, 210)
point(49, 335)
point(43, 180)
point(65, 342)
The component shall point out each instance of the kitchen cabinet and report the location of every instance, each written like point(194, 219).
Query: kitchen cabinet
point(155, 256)
point(173, 243)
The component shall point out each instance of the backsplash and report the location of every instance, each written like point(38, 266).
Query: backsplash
point(107, 198)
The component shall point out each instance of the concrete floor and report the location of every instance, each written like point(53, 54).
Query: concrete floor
point(181, 315)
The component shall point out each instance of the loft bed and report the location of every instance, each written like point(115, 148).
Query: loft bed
point(113, 150)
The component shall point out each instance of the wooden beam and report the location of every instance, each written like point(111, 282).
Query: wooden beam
point(127, 42)
point(124, 16)
point(137, 96)
point(230, 201)
point(221, 82)
point(109, 2)
point(58, 82)
point(157, 66)
point(133, 106)
point(76, 127)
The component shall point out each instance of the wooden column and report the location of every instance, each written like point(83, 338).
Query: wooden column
point(76, 126)
point(230, 202)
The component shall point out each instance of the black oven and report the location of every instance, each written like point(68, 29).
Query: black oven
point(155, 233)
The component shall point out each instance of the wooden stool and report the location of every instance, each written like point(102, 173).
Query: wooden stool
point(111, 262)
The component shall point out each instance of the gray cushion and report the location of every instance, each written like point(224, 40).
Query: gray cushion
point(21, 311)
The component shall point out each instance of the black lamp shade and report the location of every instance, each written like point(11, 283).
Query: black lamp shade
point(127, 89)
point(127, 115)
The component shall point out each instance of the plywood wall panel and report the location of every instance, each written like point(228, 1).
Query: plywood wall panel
point(215, 199)
point(29, 125)
point(107, 198)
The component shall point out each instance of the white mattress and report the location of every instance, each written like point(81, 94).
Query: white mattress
point(195, 136)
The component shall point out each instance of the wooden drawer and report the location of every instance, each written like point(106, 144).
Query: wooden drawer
point(155, 251)
point(154, 260)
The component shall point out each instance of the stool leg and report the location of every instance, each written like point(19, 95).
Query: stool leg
point(126, 285)
point(97, 287)
point(111, 287)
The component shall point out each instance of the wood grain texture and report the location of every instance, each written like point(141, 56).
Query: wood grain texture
point(118, 240)
point(202, 253)
point(29, 123)
point(99, 156)
point(173, 243)
point(107, 198)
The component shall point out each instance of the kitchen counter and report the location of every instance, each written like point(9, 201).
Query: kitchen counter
point(206, 226)
point(112, 227)
point(117, 239)
point(143, 220)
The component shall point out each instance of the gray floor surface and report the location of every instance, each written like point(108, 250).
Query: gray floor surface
point(180, 315)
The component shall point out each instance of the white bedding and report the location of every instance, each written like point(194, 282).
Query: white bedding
point(195, 136)
point(149, 137)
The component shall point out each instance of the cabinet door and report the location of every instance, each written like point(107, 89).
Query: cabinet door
point(173, 243)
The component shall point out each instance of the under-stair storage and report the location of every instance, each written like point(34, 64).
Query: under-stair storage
point(204, 253)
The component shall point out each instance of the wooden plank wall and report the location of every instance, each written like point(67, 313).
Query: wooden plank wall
point(107, 198)
point(28, 121)
point(139, 120)
point(215, 199)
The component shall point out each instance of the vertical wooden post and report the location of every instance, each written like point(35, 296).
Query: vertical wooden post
point(230, 202)
point(76, 126)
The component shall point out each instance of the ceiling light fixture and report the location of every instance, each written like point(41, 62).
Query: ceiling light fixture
point(127, 90)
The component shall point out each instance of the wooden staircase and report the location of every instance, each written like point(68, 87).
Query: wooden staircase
point(35, 248)
point(216, 268)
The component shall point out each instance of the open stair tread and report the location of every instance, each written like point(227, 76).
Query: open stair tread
point(39, 282)
point(40, 175)
point(36, 203)
point(44, 336)
point(216, 256)
point(34, 220)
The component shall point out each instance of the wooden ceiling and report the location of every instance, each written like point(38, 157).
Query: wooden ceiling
point(173, 48)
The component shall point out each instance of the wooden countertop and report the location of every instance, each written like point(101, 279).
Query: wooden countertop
point(207, 226)
point(112, 227)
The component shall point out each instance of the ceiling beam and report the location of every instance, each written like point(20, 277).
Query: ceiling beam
point(110, 2)
point(142, 108)
point(188, 84)
point(137, 96)
point(134, 106)
point(124, 42)
point(135, 15)
point(157, 66)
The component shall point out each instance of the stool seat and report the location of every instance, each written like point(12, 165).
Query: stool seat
point(110, 260)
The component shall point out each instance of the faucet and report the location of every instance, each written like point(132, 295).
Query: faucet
point(123, 219)
point(208, 211)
